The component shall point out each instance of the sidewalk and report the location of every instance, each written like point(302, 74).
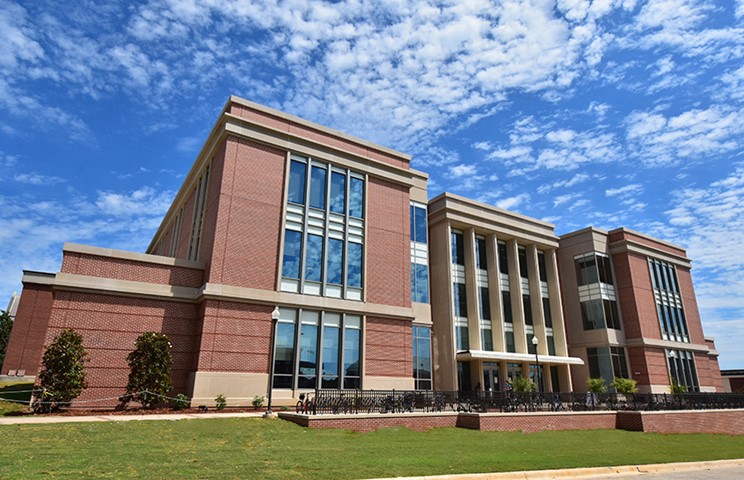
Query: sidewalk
point(40, 419)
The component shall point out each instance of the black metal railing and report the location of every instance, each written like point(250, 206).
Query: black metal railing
point(404, 401)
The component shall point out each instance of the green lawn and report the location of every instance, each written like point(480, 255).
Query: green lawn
point(275, 449)
point(14, 391)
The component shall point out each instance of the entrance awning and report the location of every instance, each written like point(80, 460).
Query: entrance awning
point(517, 357)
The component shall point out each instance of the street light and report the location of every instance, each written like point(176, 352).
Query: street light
point(535, 341)
point(275, 314)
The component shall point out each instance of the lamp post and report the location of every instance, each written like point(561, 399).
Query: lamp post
point(535, 341)
point(275, 314)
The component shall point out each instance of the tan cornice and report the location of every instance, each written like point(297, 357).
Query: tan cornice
point(653, 342)
point(630, 246)
point(134, 256)
point(517, 357)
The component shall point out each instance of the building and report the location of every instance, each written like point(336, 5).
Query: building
point(496, 304)
point(733, 381)
point(631, 312)
point(297, 257)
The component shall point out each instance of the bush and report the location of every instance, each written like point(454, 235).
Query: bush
point(258, 401)
point(62, 375)
point(182, 401)
point(678, 388)
point(596, 385)
point(149, 370)
point(625, 386)
point(6, 325)
point(523, 384)
point(220, 402)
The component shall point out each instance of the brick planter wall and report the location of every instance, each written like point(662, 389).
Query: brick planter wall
point(371, 422)
point(730, 422)
point(535, 422)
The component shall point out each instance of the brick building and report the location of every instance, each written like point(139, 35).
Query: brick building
point(288, 234)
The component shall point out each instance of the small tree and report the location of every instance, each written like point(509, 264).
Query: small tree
point(596, 385)
point(62, 375)
point(6, 324)
point(625, 386)
point(149, 369)
point(522, 384)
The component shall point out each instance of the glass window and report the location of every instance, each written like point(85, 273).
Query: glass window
point(523, 271)
point(527, 304)
point(487, 339)
point(612, 316)
point(592, 314)
point(503, 260)
point(422, 358)
point(352, 338)
point(331, 342)
point(421, 292)
point(460, 300)
point(419, 220)
point(541, 266)
point(506, 301)
point(458, 251)
point(291, 258)
point(619, 365)
point(318, 187)
point(480, 253)
point(586, 270)
point(531, 347)
point(338, 193)
point(605, 270)
point(462, 340)
point(551, 345)
point(284, 355)
point(485, 304)
point(297, 172)
point(354, 267)
point(510, 346)
point(356, 197)
point(546, 312)
point(314, 259)
point(335, 271)
point(308, 350)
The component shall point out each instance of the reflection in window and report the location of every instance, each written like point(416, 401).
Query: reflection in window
point(318, 188)
point(356, 197)
point(291, 259)
point(421, 289)
point(422, 358)
point(331, 339)
point(284, 355)
point(460, 300)
point(308, 350)
point(352, 339)
point(354, 268)
point(338, 193)
point(335, 271)
point(487, 339)
point(314, 258)
point(297, 172)
point(458, 249)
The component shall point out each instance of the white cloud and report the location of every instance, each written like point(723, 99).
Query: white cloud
point(511, 203)
point(16, 37)
point(625, 191)
point(144, 201)
point(462, 170)
point(36, 179)
point(574, 180)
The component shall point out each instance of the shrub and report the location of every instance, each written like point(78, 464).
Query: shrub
point(182, 401)
point(6, 325)
point(62, 375)
point(625, 386)
point(596, 385)
point(149, 369)
point(220, 402)
point(678, 388)
point(523, 384)
point(258, 401)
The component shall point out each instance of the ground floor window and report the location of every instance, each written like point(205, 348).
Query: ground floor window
point(491, 377)
point(607, 363)
point(422, 357)
point(316, 349)
point(682, 371)
point(537, 376)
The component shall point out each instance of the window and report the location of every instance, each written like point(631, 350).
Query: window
point(200, 206)
point(323, 231)
point(461, 337)
point(301, 355)
point(546, 312)
point(485, 304)
point(541, 266)
point(503, 261)
point(422, 358)
point(506, 301)
point(593, 268)
point(607, 363)
point(668, 301)
point(487, 339)
point(551, 345)
point(531, 347)
point(605, 270)
point(527, 305)
point(619, 364)
point(480, 253)
point(682, 369)
point(419, 254)
point(523, 271)
point(600, 313)
point(458, 249)
point(612, 317)
point(510, 346)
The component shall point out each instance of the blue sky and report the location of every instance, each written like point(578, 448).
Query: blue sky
point(607, 113)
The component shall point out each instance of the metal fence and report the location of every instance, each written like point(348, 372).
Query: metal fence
point(403, 401)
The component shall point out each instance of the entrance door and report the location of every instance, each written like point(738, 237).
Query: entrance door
point(491, 377)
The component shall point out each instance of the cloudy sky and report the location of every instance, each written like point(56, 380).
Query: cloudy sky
point(607, 113)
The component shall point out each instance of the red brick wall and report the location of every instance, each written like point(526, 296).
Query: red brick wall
point(709, 374)
point(248, 224)
point(689, 301)
point(730, 422)
point(371, 423)
point(209, 224)
point(387, 348)
point(388, 244)
point(235, 337)
point(537, 422)
point(136, 271)
point(737, 384)
point(285, 125)
point(629, 236)
point(26, 344)
point(109, 326)
point(636, 296)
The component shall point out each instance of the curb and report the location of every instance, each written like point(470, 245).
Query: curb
point(608, 472)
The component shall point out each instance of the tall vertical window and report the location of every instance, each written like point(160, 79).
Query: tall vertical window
point(510, 345)
point(506, 302)
point(324, 230)
point(323, 342)
point(461, 314)
point(527, 305)
point(541, 268)
point(593, 268)
point(176, 234)
point(668, 301)
point(546, 312)
point(200, 206)
point(485, 319)
point(419, 254)
point(480, 253)
point(458, 248)
point(607, 363)
point(461, 300)
point(682, 371)
point(523, 270)
point(422, 358)
point(503, 259)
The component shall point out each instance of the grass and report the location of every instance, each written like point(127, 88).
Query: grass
point(14, 391)
point(275, 449)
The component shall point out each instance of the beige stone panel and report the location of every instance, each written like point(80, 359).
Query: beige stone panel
point(471, 290)
point(421, 313)
point(443, 339)
point(494, 292)
point(388, 383)
point(515, 292)
point(238, 388)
